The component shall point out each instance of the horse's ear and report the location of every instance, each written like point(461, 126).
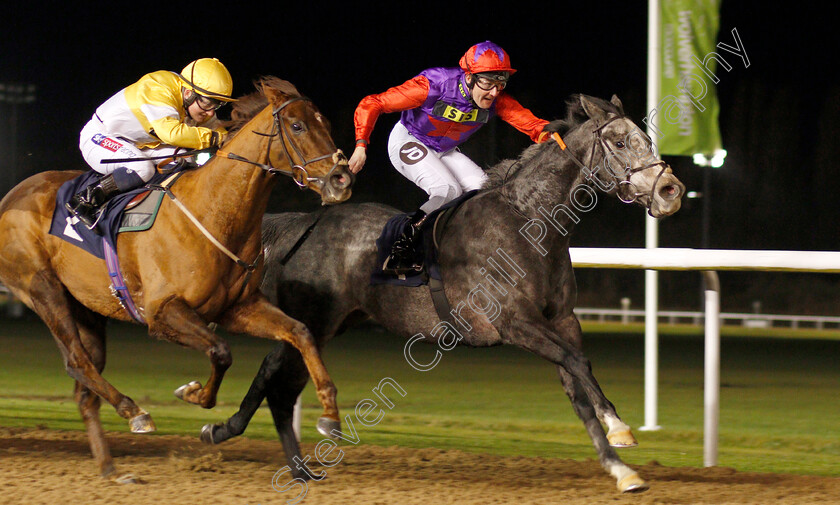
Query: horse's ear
point(615, 101)
point(270, 93)
point(593, 110)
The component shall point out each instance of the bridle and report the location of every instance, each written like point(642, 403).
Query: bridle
point(298, 171)
point(608, 153)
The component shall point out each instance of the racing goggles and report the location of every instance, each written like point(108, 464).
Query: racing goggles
point(488, 81)
point(208, 104)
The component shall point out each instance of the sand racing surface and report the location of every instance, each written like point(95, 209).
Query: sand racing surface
point(41, 466)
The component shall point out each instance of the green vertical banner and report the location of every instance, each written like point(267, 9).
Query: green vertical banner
point(687, 113)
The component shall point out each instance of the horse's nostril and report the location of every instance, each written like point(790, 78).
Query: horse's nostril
point(670, 191)
point(340, 181)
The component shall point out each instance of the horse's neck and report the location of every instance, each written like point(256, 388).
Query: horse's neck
point(228, 192)
point(545, 184)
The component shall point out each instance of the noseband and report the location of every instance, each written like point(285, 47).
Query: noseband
point(607, 151)
point(298, 171)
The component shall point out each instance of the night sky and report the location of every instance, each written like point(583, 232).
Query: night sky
point(780, 117)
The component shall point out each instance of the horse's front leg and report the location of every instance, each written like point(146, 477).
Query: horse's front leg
point(583, 389)
point(176, 321)
point(619, 433)
point(256, 316)
point(627, 480)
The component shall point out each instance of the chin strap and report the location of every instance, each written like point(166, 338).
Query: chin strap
point(188, 101)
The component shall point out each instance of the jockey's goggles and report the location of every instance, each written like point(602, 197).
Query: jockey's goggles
point(488, 81)
point(208, 104)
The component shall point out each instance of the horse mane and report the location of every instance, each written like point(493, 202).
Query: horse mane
point(575, 116)
point(248, 106)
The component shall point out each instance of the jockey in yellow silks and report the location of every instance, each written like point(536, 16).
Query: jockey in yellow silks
point(153, 117)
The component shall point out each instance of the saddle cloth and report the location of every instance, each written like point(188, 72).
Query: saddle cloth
point(114, 219)
point(425, 247)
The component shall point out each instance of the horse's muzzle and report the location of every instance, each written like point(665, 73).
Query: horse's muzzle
point(338, 185)
point(667, 196)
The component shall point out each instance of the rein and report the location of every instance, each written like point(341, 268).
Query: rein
point(165, 186)
point(298, 172)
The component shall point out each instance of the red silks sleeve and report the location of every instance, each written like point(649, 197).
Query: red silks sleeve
point(408, 95)
point(513, 113)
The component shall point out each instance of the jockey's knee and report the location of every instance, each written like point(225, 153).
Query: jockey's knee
point(474, 181)
point(439, 196)
point(144, 170)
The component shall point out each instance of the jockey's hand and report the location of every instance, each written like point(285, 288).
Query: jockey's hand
point(357, 161)
point(217, 137)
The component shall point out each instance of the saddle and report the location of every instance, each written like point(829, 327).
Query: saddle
point(131, 211)
point(432, 231)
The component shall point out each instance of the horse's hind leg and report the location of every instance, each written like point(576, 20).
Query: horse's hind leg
point(236, 424)
point(92, 332)
point(55, 306)
point(175, 321)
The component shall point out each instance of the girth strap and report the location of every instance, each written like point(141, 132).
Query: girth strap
point(118, 287)
point(433, 275)
point(439, 299)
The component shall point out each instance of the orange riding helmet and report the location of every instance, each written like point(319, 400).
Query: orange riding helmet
point(486, 57)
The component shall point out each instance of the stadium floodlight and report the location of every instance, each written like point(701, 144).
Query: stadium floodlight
point(14, 94)
point(716, 161)
point(17, 93)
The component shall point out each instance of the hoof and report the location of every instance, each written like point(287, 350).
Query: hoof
point(329, 427)
point(128, 478)
point(207, 432)
point(632, 484)
point(186, 391)
point(622, 438)
point(142, 423)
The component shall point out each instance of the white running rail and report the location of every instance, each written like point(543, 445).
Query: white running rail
point(710, 261)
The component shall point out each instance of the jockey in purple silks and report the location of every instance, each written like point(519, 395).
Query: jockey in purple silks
point(441, 108)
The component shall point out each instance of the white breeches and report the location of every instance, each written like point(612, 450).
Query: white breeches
point(97, 145)
point(443, 176)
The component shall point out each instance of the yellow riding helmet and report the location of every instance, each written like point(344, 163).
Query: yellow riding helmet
point(208, 77)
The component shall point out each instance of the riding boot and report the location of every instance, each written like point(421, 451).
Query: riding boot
point(87, 203)
point(403, 258)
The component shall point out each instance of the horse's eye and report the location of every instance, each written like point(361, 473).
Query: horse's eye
point(619, 144)
point(298, 127)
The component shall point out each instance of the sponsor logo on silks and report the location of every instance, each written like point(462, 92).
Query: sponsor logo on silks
point(71, 232)
point(462, 90)
point(412, 152)
point(446, 111)
point(103, 141)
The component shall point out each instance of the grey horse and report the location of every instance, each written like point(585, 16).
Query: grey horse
point(504, 260)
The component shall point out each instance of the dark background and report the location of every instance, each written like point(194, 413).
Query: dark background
point(780, 118)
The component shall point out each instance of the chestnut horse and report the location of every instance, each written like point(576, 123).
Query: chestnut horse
point(179, 277)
